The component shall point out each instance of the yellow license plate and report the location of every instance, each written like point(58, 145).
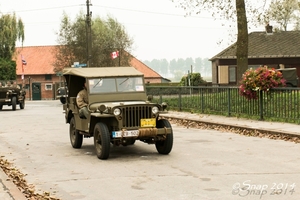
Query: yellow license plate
point(148, 122)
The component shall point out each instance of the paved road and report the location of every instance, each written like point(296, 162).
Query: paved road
point(204, 164)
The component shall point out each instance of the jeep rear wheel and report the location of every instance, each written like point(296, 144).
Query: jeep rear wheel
point(22, 104)
point(101, 141)
point(14, 103)
point(62, 100)
point(164, 146)
point(75, 137)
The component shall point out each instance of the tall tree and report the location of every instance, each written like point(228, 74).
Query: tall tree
point(227, 9)
point(189, 64)
point(282, 12)
point(164, 66)
point(173, 66)
point(108, 36)
point(11, 30)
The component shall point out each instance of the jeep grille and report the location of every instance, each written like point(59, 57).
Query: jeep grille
point(133, 114)
point(2, 95)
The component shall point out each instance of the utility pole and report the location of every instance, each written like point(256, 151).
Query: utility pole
point(88, 33)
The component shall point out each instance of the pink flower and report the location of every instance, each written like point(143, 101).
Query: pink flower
point(260, 79)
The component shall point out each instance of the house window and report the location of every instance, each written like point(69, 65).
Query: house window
point(48, 86)
point(232, 74)
point(48, 77)
point(223, 74)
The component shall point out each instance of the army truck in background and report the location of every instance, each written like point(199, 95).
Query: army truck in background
point(119, 110)
point(290, 75)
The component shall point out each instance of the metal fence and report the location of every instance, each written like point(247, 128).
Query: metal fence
point(279, 104)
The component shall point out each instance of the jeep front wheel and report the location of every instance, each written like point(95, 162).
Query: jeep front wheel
point(101, 141)
point(14, 103)
point(75, 137)
point(164, 146)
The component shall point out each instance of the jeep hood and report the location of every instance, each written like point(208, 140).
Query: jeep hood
point(94, 106)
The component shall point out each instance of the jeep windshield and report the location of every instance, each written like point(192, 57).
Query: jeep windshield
point(115, 85)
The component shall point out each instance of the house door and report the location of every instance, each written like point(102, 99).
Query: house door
point(36, 91)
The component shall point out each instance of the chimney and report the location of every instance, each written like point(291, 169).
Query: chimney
point(269, 29)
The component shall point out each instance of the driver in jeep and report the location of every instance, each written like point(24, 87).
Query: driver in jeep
point(82, 102)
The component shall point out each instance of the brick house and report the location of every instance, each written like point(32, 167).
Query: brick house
point(274, 49)
point(40, 80)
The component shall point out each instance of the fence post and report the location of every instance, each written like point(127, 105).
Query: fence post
point(179, 99)
point(202, 100)
point(229, 97)
point(261, 109)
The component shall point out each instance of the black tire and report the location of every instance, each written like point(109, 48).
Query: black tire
point(14, 103)
point(132, 142)
point(1, 106)
point(75, 137)
point(101, 141)
point(62, 100)
point(22, 104)
point(165, 146)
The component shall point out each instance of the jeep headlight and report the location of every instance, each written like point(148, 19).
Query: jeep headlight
point(102, 108)
point(117, 111)
point(155, 110)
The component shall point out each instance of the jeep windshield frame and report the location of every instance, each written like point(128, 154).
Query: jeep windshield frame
point(115, 85)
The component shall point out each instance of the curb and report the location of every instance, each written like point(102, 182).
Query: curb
point(263, 130)
point(9, 190)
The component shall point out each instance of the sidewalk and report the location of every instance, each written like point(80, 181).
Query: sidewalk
point(271, 127)
point(8, 191)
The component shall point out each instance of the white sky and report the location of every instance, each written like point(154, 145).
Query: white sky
point(158, 28)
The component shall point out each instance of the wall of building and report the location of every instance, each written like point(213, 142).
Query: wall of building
point(47, 82)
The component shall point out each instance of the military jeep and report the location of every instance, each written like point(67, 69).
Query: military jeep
point(12, 96)
point(119, 110)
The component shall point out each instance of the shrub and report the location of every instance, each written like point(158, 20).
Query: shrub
point(195, 80)
point(262, 78)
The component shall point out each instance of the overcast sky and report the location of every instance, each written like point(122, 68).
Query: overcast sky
point(159, 28)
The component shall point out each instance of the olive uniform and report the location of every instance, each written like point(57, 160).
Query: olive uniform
point(82, 103)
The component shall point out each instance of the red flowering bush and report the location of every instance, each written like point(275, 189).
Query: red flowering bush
point(262, 78)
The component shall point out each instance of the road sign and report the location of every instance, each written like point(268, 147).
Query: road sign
point(80, 65)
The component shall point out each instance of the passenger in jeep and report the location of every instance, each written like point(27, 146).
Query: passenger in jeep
point(82, 102)
point(16, 85)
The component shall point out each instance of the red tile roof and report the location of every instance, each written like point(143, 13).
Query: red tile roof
point(40, 58)
point(147, 71)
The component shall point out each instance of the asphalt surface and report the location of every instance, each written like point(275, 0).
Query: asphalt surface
point(9, 191)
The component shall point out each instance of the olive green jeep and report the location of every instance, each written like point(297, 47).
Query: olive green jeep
point(12, 96)
point(119, 110)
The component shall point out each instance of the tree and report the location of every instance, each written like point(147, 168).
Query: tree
point(164, 66)
point(181, 65)
point(282, 12)
point(155, 65)
point(108, 36)
point(225, 8)
point(11, 30)
point(188, 63)
point(195, 80)
point(173, 66)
